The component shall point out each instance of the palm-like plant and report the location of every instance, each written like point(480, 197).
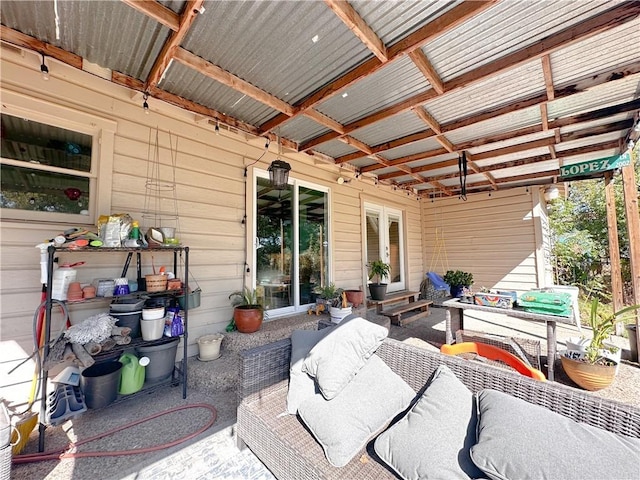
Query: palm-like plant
point(379, 270)
point(603, 326)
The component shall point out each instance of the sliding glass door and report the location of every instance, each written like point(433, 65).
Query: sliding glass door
point(292, 253)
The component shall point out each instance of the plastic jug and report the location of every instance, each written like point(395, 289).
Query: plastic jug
point(132, 373)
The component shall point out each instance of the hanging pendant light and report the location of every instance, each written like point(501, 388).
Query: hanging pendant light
point(279, 171)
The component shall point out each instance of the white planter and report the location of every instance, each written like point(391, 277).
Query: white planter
point(580, 344)
point(337, 314)
point(209, 347)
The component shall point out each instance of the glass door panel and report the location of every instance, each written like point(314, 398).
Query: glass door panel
point(274, 244)
point(384, 241)
point(312, 242)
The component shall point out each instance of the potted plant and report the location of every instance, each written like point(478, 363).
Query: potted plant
point(593, 369)
point(378, 270)
point(325, 294)
point(457, 280)
point(248, 311)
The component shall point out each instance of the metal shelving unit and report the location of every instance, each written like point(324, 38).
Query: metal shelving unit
point(182, 370)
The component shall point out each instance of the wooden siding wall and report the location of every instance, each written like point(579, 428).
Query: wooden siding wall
point(211, 201)
point(493, 236)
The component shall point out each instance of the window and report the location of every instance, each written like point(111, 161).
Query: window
point(292, 253)
point(49, 165)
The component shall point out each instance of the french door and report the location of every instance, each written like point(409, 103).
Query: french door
point(384, 237)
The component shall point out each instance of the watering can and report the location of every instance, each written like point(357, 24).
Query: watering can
point(132, 373)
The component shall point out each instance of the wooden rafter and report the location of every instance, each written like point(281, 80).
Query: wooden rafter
point(191, 10)
point(20, 39)
point(424, 65)
point(359, 27)
point(157, 11)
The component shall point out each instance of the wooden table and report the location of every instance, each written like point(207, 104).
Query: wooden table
point(415, 309)
point(454, 320)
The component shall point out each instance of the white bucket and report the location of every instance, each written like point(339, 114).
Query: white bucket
point(337, 314)
point(152, 329)
point(209, 347)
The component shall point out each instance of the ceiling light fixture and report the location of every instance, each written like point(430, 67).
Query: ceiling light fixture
point(44, 69)
point(145, 105)
point(345, 95)
point(279, 171)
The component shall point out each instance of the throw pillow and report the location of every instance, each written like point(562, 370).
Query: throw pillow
point(517, 439)
point(345, 424)
point(434, 438)
point(301, 385)
point(336, 359)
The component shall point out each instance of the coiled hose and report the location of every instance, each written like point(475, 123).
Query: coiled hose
point(68, 453)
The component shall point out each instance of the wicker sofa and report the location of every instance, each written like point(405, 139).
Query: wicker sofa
point(287, 448)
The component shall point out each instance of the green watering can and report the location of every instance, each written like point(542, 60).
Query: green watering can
point(132, 373)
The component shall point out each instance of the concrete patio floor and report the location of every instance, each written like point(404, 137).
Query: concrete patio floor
point(213, 454)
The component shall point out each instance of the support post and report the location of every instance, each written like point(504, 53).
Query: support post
point(614, 245)
point(630, 187)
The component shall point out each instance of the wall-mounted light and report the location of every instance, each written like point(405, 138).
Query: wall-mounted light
point(44, 69)
point(551, 193)
point(342, 180)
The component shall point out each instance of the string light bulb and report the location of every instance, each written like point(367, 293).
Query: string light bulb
point(217, 129)
point(145, 105)
point(44, 69)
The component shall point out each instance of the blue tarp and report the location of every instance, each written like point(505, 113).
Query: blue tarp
point(437, 281)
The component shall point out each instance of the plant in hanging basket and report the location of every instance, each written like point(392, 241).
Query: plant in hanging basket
point(592, 370)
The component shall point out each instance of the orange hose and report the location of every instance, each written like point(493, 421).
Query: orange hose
point(66, 453)
point(493, 353)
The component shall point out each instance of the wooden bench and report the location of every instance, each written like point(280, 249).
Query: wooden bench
point(393, 298)
point(407, 313)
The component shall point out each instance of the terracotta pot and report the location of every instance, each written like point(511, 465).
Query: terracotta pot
point(588, 376)
point(355, 297)
point(248, 318)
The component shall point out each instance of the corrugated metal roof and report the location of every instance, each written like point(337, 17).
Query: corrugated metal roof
point(618, 46)
point(276, 53)
point(183, 81)
point(388, 129)
point(301, 129)
point(588, 156)
point(434, 160)
point(495, 126)
point(594, 123)
point(611, 93)
point(392, 21)
point(335, 148)
point(522, 82)
point(584, 142)
point(425, 145)
point(392, 84)
point(503, 29)
point(101, 32)
point(270, 44)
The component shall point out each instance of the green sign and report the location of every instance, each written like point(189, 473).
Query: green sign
point(595, 166)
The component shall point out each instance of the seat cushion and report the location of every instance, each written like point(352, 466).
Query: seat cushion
point(338, 357)
point(434, 438)
point(345, 424)
point(301, 385)
point(517, 439)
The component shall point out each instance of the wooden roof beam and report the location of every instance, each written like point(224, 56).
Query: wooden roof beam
point(444, 23)
point(424, 65)
point(191, 10)
point(345, 12)
point(20, 39)
point(157, 11)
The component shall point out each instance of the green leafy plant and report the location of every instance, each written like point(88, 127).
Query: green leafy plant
point(379, 270)
point(603, 325)
point(458, 278)
point(246, 297)
point(328, 292)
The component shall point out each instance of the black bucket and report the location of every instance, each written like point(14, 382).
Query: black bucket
point(131, 320)
point(100, 383)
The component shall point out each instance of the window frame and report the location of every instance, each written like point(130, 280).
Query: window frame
point(100, 175)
